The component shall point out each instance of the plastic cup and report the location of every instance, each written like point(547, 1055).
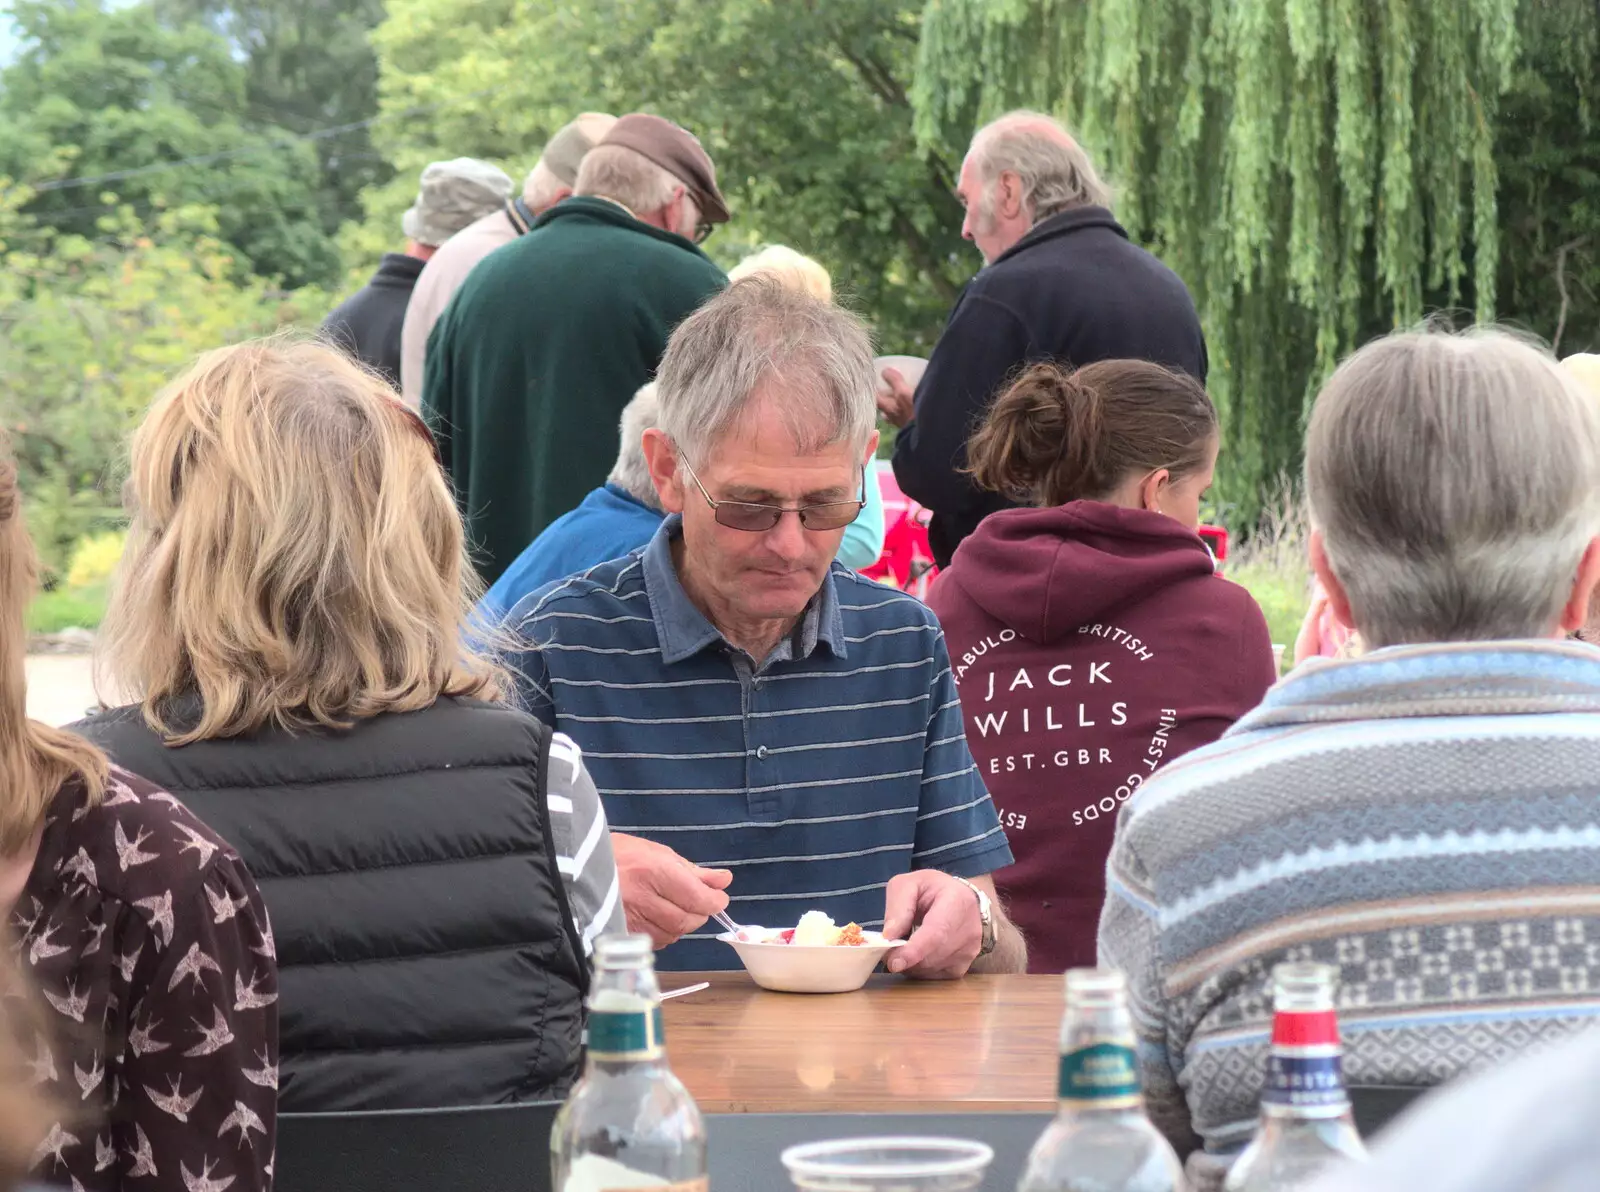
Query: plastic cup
point(888, 1165)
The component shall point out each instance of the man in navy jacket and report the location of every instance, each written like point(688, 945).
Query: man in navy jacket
point(1061, 282)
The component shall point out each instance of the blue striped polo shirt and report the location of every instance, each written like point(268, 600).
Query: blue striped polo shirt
point(815, 776)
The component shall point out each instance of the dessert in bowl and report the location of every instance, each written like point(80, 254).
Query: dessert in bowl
point(814, 956)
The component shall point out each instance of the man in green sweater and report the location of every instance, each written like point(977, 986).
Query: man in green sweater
point(549, 337)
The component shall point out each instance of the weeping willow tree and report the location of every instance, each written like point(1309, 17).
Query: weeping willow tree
point(1318, 171)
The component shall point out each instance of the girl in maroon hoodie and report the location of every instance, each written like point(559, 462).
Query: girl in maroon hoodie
point(1091, 639)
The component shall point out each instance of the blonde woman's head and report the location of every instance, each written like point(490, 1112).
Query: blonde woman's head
point(295, 556)
point(791, 269)
point(35, 759)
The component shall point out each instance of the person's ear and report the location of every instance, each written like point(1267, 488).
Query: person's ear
point(1575, 614)
point(1152, 487)
point(1338, 598)
point(872, 451)
point(1010, 194)
point(661, 457)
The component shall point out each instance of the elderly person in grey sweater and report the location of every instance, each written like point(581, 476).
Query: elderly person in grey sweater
point(1427, 817)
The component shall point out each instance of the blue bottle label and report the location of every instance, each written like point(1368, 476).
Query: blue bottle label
point(1104, 1074)
point(1305, 1082)
point(631, 1035)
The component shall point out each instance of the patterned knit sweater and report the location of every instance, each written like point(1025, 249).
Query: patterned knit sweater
point(1426, 818)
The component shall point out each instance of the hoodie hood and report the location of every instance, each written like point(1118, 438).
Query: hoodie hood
point(1045, 572)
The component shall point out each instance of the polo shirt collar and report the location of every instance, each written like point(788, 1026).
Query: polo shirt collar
point(683, 630)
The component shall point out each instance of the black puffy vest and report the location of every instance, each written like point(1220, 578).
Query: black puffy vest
point(426, 954)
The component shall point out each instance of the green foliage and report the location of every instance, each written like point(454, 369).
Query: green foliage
point(1318, 171)
point(110, 91)
point(68, 608)
point(91, 329)
point(802, 104)
point(308, 68)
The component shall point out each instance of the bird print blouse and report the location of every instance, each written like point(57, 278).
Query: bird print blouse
point(146, 935)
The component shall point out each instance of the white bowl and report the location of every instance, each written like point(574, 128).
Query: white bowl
point(786, 968)
point(910, 367)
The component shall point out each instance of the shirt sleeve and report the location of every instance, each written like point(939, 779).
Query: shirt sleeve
point(957, 828)
point(980, 347)
point(583, 845)
point(1129, 941)
point(529, 673)
point(199, 1101)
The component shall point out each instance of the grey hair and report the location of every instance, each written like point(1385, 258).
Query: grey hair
point(541, 187)
point(1456, 482)
point(631, 473)
point(618, 173)
point(1055, 171)
point(757, 332)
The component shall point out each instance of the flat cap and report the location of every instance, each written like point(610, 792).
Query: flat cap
point(453, 194)
point(677, 151)
point(564, 152)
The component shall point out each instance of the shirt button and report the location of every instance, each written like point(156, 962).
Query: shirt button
point(761, 753)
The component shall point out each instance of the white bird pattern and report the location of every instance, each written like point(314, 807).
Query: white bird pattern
point(213, 1038)
point(98, 932)
point(42, 1067)
point(224, 908)
point(160, 914)
point(126, 962)
point(203, 1182)
point(73, 1006)
point(266, 1075)
point(243, 1119)
point(175, 1102)
point(195, 842)
point(54, 1143)
point(81, 867)
point(129, 853)
point(90, 1080)
point(43, 949)
point(144, 1161)
point(107, 885)
point(143, 1041)
point(247, 997)
point(195, 964)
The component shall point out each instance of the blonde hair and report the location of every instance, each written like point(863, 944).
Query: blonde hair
point(295, 558)
point(36, 760)
point(792, 269)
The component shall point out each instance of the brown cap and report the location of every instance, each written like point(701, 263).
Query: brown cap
point(677, 151)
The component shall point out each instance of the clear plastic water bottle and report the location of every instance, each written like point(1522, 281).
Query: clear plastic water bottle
point(1306, 1125)
point(1101, 1140)
point(629, 1123)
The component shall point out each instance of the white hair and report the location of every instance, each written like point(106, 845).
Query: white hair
point(792, 268)
point(631, 473)
point(1055, 172)
point(1456, 481)
point(758, 332)
point(541, 188)
point(618, 173)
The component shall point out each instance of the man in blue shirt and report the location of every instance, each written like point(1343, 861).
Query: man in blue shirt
point(613, 519)
point(768, 729)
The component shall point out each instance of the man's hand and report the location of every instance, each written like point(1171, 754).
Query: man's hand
point(895, 398)
point(665, 895)
point(949, 930)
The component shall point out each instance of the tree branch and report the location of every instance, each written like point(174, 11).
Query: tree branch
point(1561, 286)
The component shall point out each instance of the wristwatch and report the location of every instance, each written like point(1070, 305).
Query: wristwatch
point(986, 914)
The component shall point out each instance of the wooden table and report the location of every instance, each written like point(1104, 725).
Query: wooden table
point(978, 1045)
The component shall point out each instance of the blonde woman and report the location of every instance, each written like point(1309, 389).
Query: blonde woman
point(291, 616)
point(112, 889)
